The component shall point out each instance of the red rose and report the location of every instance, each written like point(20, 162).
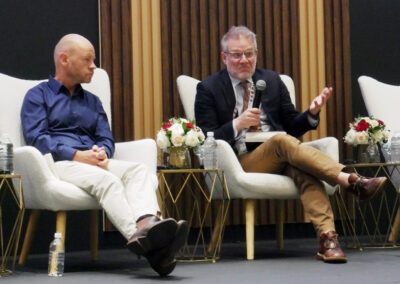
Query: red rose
point(189, 125)
point(362, 126)
point(167, 125)
point(380, 122)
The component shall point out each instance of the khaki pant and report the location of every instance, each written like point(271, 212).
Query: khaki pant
point(126, 191)
point(284, 154)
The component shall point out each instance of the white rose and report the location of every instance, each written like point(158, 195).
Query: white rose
point(162, 140)
point(200, 134)
point(176, 129)
point(373, 122)
point(361, 138)
point(192, 139)
point(350, 137)
point(385, 134)
point(177, 139)
point(378, 136)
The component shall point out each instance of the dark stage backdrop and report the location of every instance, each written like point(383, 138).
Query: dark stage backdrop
point(375, 44)
point(29, 31)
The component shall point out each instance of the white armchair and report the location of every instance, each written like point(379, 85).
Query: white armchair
point(251, 186)
point(42, 190)
point(382, 101)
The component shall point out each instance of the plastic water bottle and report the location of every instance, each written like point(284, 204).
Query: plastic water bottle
point(6, 155)
point(395, 147)
point(210, 152)
point(56, 256)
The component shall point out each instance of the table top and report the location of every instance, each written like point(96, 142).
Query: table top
point(10, 176)
point(187, 170)
point(364, 165)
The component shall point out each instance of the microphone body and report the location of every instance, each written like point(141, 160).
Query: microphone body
point(260, 86)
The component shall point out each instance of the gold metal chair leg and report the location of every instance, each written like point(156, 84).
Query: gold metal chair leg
point(61, 224)
point(394, 234)
point(29, 234)
point(94, 234)
point(250, 228)
point(216, 234)
point(279, 215)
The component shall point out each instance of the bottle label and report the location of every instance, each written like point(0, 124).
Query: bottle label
point(53, 263)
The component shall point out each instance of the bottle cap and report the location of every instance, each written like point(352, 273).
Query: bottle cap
point(210, 134)
point(57, 235)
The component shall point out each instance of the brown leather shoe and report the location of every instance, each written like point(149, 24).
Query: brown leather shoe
point(365, 188)
point(163, 260)
point(329, 248)
point(155, 235)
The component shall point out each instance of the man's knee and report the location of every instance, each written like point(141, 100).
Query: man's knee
point(282, 139)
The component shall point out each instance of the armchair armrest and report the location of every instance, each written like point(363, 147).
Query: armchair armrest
point(141, 151)
point(327, 145)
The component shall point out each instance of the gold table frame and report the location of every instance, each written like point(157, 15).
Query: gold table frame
point(374, 223)
point(201, 203)
point(10, 184)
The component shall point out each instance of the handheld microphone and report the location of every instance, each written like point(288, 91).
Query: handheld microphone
point(260, 86)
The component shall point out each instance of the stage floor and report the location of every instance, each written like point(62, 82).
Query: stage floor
point(296, 263)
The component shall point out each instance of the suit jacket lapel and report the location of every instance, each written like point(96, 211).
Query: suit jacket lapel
point(229, 94)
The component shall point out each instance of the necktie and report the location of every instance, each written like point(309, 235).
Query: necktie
point(246, 97)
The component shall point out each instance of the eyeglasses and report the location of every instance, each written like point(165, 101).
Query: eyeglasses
point(239, 55)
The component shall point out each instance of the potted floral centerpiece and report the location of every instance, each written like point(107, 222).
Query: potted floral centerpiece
point(367, 133)
point(175, 137)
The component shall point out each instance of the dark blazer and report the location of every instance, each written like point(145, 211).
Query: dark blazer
point(215, 103)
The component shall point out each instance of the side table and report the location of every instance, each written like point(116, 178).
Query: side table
point(374, 223)
point(202, 197)
point(10, 196)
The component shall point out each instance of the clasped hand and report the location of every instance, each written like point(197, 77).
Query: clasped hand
point(96, 157)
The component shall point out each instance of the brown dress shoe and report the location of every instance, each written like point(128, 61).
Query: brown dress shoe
point(163, 260)
point(329, 248)
point(155, 235)
point(365, 188)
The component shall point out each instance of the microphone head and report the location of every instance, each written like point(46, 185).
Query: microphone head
point(261, 85)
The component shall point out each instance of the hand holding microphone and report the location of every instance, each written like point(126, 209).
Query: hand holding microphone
point(250, 118)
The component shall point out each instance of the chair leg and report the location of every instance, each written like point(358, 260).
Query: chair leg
point(61, 224)
point(250, 228)
point(29, 234)
point(279, 215)
point(94, 234)
point(394, 234)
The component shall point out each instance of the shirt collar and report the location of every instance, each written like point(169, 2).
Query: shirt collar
point(236, 82)
point(57, 87)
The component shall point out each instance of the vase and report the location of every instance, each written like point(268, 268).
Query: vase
point(368, 153)
point(179, 157)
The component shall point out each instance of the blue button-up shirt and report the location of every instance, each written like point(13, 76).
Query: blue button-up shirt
point(55, 122)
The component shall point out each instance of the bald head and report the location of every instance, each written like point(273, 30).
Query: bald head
point(69, 44)
point(74, 59)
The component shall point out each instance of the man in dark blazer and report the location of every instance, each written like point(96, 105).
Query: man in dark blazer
point(224, 105)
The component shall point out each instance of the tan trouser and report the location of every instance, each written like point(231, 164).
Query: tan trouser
point(284, 154)
point(126, 191)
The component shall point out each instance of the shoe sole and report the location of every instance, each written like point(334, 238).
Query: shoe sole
point(377, 191)
point(157, 237)
point(167, 265)
point(332, 259)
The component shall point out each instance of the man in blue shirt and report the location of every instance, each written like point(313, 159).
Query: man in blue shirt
point(61, 118)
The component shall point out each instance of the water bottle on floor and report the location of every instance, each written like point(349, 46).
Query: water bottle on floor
point(210, 152)
point(6, 155)
point(395, 147)
point(56, 256)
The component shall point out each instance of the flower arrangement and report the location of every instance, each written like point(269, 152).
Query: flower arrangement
point(179, 132)
point(366, 130)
